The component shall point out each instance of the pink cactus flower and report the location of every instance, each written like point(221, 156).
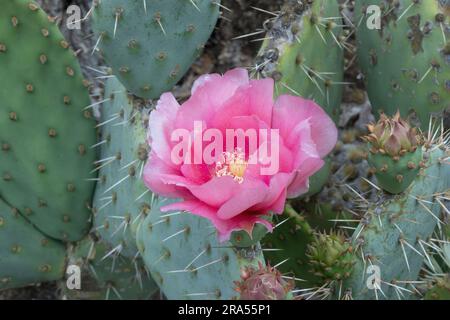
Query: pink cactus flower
point(233, 155)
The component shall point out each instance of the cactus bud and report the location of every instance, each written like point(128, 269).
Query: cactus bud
point(395, 152)
point(331, 256)
point(264, 283)
point(393, 136)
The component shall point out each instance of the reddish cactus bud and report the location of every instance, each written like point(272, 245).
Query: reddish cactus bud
point(264, 283)
point(393, 136)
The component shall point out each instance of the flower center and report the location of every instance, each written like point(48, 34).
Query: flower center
point(232, 164)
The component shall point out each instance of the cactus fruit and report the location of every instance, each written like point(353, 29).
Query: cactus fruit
point(331, 256)
point(121, 200)
point(112, 277)
point(44, 129)
point(304, 53)
point(151, 44)
point(406, 62)
point(27, 256)
point(395, 153)
point(264, 283)
point(185, 257)
point(393, 233)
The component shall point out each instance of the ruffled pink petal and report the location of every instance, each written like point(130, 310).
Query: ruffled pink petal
point(197, 173)
point(307, 159)
point(245, 221)
point(216, 191)
point(277, 207)
point(236, 77)
point(248, 130)
point(300, 184)
point(254, 99)
point(251, 192)
point(290, 110)
point(209, 94)
point(277, 188)
point(304, 147)
point(164, 179)
point(161, 126)
point(263, 162)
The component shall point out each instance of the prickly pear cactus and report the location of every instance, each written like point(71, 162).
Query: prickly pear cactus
point(407, 62)
point(121, 200)
point(151, 44)
point(393, 234)
point(27, 256)
point(304, 53)
point(185, 258)
point(44, 126)
point(108, 277)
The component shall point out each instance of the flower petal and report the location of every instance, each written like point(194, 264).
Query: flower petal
point(290, 110)
point(251, 193)
point(246, 221)
point(161, 123)
point(254, 99)
point(210, 92)
point(164, 179)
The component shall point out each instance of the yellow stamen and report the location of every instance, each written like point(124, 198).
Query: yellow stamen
point(232, 164)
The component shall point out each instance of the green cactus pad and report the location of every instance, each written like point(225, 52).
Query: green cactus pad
point(26, 255)
point(319, 179)
point(392, 227)
point(121, 200)
point(45, 133)
point(395, 176)
point(407, 62)
point(304, 53)
point(151, 44)
point(108, 277)
point(287, 246)
point(185, 258)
